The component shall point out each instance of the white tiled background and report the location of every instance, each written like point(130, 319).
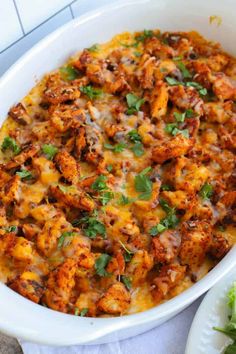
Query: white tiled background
point(24, 22)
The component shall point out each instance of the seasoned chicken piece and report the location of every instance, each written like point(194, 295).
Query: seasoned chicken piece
point(177, 146)
point(79, 247)
point(47, 240)
point(165, 246)
point(116, 265)
point(12, 190)
point(94, 147)
point(46, 170)
point(63, 118)
point(3, 219)
point(67, 166)
point(60, 94)
point(84, 59)
point(80, 141)
point(224, 88)
point(186, 175)
point(16, 247)
point(140, 264)
point(196, 242)
point(217, 62)
point(170, 276)
point(19, 114)
point(72, 196)
point(179, 199)
point(186, 98)
point(29, 152)
point(219, 112)
point(145, 72)
point(88, 301)
point(159, 100)
point(119, 85)
point(29, 285)
point(116, 300)
point(30, 231)
point(43, 212)
point(220, 245)
point(59, 286)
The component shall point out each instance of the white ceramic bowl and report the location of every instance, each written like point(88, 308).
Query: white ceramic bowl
point(22, 318)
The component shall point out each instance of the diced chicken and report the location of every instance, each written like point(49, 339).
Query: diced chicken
point(177, 146)
point(12, 190)
point(72, 196)
point(169, 277)
point(220, 245)
point(60, 285)
point(67, 166)
point(20, 115)
point(186, 98)
point(218, 112)
point(64, 117)
point(196, 241)
point(140, 264)
point(224, 88)
point(116, 300)
point(165, 246)
point(159, 100)
point(29, 285)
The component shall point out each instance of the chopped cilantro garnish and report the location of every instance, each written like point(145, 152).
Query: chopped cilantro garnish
point(100, 183)
point(12, 228)
point(69, 73)
point(83, 312)
point(93, 227)
point(116, 148)
point(186, 74)
point(49, 150)
point(109, 168)
point(166, 187)
point(179, 117)
point(105, 197)
point(146, 34)
point(190, 113)
point(134, 136)
point(93, 48)
point(206, 191)
point(127, 281)
point(24, 174)
point(173, 82)
point(143, 184)
point(137, 149)
point(134, 103)
point(157, 229)
point(101, 263)
point(124, 200)
point(197, 86)
point(63, 236)
point(10, 144)
point(170, 127)
point(170, 221)
point(128, 254)
point(91, 92)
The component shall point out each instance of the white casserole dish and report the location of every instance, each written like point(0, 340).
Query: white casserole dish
point(22, 318)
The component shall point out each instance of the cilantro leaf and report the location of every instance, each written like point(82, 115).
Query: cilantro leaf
point(190, 113)
point(109, 168)
point(83, 312)
point(143, 184)
point(93, 48)
point(155, 230)
point(63, 236)
point(170, 127)
point(69, 73)
point(101, 263)
point(134, 136)
point(116, 148)
point(91, 226)
point(206, 191)
point(91, 92)
point(12, 228)
point(197, 86)
point(137, 149)
point(171, 220)
point(186, 74)
point(100, 183)
point(126, 281)
point(179, 117)
point(166, 187)
point(49, 150)
point(128, 254)
point(106, 197)
point(173, 82)
point(146, 34)
point(10, 143)
point(134, 103)
point(24, 174)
